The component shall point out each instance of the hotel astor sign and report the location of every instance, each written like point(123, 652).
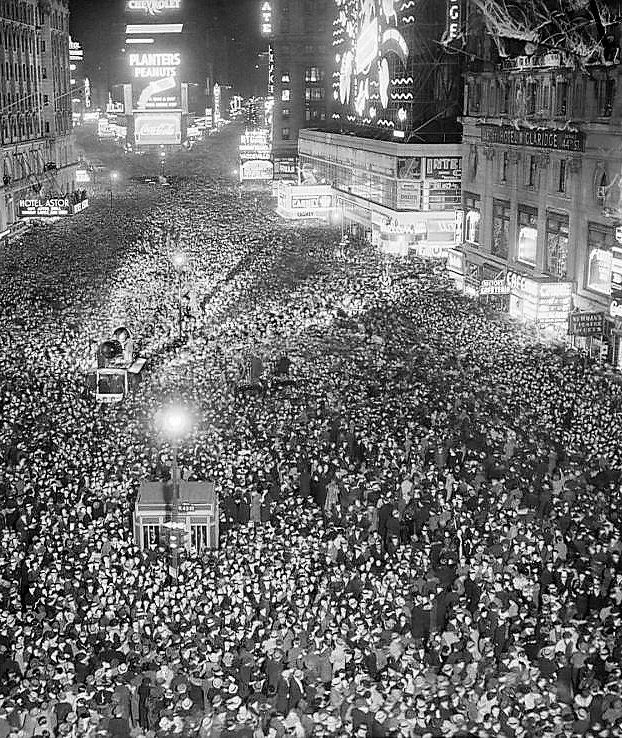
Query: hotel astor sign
point(539, 138)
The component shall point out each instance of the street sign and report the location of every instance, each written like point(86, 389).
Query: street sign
point(586, 324)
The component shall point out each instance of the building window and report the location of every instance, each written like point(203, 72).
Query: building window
point(599, 242)
point(605, 94)
point(285, 133)
point(198, 538)
point(503, 166)
point(151, 536)
point(532, 97)
point(500, 229)
point(472, 207)
point(314, 74)
point(285, 95)
point(563, 175)
point(557, 244)
point(475, 96)
point(527, 234)
point(285, 77)
point(532, 171)
point(561, 98)
point(285, 113)
point(601, 189)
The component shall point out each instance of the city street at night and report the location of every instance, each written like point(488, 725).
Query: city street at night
point(310, 369)
point(416, 444)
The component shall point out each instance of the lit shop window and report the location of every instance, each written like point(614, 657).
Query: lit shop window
point(527, 234)
point(500, 228)
point(557, 244)
point(599, 239)
point(473, 204)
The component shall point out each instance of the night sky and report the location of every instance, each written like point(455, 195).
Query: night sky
point(93, 25)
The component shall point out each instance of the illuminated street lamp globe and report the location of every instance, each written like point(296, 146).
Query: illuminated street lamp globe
point(175, 421)
point(179, 260)
point(114, 176)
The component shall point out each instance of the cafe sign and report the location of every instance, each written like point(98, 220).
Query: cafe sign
point(539, 138)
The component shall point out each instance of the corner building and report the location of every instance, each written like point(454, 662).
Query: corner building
point(36, 147)
point(541, 193)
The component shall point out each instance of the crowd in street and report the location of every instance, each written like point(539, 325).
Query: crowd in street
point(420, 533)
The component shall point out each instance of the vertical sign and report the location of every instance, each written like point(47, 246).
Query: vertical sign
point(453, 20)
point(266, 18)
point(270, 71)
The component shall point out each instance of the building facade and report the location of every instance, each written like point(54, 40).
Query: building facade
point(37, 152)
point(402, 197)
point(541, 190)
point(299, 33)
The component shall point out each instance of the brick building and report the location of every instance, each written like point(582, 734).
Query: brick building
point(36, 148)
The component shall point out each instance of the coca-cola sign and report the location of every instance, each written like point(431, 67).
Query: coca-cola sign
point(157, 128)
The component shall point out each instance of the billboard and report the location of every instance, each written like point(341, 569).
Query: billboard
point(392, 72)
point(156, 79)
point(256, 170)
point(153, 129)
point(152, 8)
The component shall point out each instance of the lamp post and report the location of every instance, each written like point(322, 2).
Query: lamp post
point(114, 176)
point(162, 160)
point(175, 423)
point(180, 261)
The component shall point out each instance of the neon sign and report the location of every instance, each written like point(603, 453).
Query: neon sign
point(154, 66)
point(266, 18)
point(453, 20)
point(153, 7)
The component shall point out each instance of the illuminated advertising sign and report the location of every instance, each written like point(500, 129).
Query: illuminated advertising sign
point(539, 138)
point(266, 18)
point(152, 7)
point(381, 48)
point(154, 129)
point(454, 14)
point(56, 207)
point(156, 80)
point(270, 70)
point(256, 170)
point(443, 167)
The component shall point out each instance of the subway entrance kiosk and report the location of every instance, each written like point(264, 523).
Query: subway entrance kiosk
point(190, 522)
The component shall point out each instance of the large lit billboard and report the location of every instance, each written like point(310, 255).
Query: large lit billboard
point(153, 129)
point(156, 79)
point(152, 8)
point(391, 72)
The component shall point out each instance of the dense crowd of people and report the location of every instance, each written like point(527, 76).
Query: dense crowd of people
point(420, 533)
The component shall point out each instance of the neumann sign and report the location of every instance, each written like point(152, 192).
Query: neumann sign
point(153, 7)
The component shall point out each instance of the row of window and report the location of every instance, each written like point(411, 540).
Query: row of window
point(30, 14)
point(548, 95)
point(600, 240)
point(556, 236)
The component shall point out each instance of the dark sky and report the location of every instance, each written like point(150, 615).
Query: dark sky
point(94, 22)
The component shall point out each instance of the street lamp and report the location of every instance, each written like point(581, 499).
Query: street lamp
point(114, 176)
point(180, 260)
point(175, 422)
point(162, 160)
